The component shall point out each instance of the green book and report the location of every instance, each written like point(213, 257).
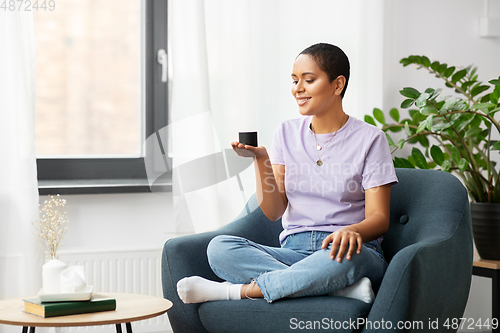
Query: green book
point(97, 303)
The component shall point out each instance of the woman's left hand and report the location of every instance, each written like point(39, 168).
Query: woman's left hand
point(345, 239)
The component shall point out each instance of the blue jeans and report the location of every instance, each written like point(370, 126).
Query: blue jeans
point(298, 268)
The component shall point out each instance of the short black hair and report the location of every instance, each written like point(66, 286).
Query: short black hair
point(331, 60)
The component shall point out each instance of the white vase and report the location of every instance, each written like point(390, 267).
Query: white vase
point(51, 276)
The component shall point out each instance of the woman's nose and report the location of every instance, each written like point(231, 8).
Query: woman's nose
point(299, 87)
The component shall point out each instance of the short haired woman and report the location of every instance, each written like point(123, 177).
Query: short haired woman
point(328, 176)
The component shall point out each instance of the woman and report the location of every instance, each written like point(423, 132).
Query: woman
point(328, 175)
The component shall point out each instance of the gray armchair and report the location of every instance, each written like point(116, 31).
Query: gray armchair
point(428, 247)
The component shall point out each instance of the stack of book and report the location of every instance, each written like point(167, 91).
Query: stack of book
point(97, 303)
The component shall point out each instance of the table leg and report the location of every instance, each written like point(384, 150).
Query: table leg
point(119, 328)
point(25, 329)
point(495, 286)
point(494, 275)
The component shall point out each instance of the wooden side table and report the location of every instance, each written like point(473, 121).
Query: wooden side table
point(129, 308)
point(491, 269)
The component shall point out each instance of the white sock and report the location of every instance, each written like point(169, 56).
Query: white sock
point(195, 289)
point(361, 290)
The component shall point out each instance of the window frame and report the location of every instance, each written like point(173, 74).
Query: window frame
point(118, 175)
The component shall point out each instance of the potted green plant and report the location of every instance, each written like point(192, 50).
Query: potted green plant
point(455, 134)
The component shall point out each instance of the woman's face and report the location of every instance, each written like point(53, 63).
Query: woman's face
point(311, 87)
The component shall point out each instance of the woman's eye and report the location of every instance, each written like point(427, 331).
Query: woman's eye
point(309, 81)
point(294, 82)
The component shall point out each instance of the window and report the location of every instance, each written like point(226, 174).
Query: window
point(100, 93)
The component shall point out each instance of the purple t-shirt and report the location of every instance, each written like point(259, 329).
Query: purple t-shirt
point(330, 196)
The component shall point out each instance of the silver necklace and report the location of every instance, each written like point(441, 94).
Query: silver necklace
point(319, 162)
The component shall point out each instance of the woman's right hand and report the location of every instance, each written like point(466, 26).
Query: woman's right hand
point(248, 151)
point(270, 188)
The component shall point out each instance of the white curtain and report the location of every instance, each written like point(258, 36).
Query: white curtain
point(230, 71)
point(21, 257)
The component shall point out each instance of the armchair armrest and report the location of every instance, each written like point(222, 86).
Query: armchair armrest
point(424, 280)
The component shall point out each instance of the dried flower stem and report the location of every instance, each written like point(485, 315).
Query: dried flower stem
point(50, 230)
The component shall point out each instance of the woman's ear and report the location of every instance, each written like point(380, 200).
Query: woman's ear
point(339, 84)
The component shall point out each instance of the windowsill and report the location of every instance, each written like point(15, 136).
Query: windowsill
point(101, 186)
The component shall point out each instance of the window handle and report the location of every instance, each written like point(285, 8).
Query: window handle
point(162, 60)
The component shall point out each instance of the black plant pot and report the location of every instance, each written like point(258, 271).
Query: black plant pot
point(486, 229)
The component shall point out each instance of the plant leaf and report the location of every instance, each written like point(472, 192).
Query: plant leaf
point(423, 140)
point(405, 62)
point(473, 131)
point(467, 84)
point(416, 117)
point(389, 139)
point(403, 163)
point(478, 89)
point(496, 146)
point(401, 143)
point(437, 155)
point(407, 129)
point(463, 164)
point(422, 99)
point(495, 82)
point(442, 68)
point(434, 93)
point(407, 103)
point(494, 96)
point(429, 109)
point(369, 120)
point(425, 61)
point(421, 126)
point(394, 129)
point(476, 121)
point(458, 75)
point(440, 126)
point(445, 166)
point(460, 125)
point(428, 122)
point(394, 113)
point(494, 110)
point(435, 65)
point(419, 158)
point(455, 154)
point(485, 98)
point(410, 92)
point(449, 104)
point(449, 71)
point(473, 71)
point(379, 115)
point(482, 106)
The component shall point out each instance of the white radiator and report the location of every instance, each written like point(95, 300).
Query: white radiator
point(121, 271)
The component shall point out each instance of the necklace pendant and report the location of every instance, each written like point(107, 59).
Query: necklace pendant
point(319, 162)
point(318, 147)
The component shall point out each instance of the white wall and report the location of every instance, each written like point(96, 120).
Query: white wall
point(117, 221)
point(444, 30)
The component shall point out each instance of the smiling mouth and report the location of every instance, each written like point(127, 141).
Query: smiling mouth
point(302, 100)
